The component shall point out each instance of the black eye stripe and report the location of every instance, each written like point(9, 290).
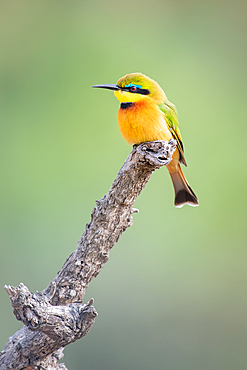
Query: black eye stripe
point(136, 91)
point(142, 91)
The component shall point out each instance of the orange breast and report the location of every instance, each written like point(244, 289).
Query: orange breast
point(143, 121)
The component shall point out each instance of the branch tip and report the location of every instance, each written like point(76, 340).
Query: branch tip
point(90, 303)
point(11, 290)
point(135, 210)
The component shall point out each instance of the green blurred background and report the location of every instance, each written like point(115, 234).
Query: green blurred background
point(173, 294)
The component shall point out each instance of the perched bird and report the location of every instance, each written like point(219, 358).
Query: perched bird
point(145, 114)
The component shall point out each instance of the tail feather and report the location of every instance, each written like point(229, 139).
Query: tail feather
point(183, 192)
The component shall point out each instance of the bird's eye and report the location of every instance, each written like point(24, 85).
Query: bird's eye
point(133, 88)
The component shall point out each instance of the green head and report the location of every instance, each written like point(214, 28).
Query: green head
point(135, 87)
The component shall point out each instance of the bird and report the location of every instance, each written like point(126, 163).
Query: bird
point(145, 114)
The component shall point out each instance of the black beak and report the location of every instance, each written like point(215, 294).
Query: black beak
point(108, 86)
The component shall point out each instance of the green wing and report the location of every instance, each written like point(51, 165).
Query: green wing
point(171, 116)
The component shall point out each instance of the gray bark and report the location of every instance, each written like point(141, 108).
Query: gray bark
point(56, 316)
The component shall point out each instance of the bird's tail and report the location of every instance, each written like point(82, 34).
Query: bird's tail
point(183, 192)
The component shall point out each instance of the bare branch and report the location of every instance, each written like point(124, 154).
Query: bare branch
point(63, 324)
point(109, 219)
point(56, 317)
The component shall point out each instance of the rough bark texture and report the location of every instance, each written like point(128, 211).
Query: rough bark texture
point(56, 316)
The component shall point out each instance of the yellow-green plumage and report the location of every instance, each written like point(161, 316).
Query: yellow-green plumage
point(145, 114)
point(171, 116)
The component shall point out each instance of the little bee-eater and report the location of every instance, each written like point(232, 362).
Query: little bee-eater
point(145, 114)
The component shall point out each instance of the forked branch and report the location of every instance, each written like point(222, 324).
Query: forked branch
point(56, 316)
